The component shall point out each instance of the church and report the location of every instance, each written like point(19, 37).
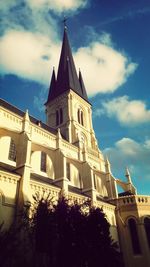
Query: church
point(62, 157)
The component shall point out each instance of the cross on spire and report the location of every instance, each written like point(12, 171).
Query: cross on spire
point(64, 22)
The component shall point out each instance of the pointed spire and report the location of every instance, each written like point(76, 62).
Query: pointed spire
point(84, 94)
point(67, 66)
point(52, 87)
point(64, 22)
point(67, 76)
point(127, 174)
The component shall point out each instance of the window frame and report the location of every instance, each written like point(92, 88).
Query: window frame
point(59, 116)
point(80, 116)
point(12, 151)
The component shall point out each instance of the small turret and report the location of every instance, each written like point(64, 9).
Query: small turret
point(59, 134)
point(127, 174)
point(107, 165)
point(26, 122)
point(52, 87)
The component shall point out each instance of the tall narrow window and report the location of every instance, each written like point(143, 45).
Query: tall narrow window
point(82, 117)
point(61, 115)
point(134, 236)
point(147, 229)
point(79, 115)
point(12, 151)
point(68, 170)
point(43, 161)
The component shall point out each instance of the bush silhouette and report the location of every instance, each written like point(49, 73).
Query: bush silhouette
point(61, 234)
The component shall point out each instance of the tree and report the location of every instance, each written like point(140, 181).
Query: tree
point(102, 250)
point(72, 237)
point(61, 234)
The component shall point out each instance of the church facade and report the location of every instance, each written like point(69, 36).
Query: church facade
point(62, 157)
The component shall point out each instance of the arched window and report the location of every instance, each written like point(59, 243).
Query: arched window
point(80, 117)
point(12, 151)
point(59, 116)
point(43, 161)
point(147, 228)
point(134, 236)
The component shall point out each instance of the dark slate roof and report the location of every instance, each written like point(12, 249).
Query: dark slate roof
point(67, 77)
point(82, 86)
point(19, 112)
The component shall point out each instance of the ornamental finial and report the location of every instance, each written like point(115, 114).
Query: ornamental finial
point(64, 22)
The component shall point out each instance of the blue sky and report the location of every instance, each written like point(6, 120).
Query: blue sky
point(110, 40)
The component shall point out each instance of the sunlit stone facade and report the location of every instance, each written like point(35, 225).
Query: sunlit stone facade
point(62, 157)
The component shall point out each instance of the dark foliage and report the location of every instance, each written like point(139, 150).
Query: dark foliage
point(60, 235)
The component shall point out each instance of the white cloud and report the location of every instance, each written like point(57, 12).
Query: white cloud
point(128, 147)
point(28, 55)
point(135, 155)
point(58, 5)
point(104, 67)
point(105, 38)
point(127, 112)
point(129, 151)
point(124, 152)
point(23, 53)
point(147, 144)
point(30, 46)
point(24, 18)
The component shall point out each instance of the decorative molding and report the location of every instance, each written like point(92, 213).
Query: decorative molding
point(9, 178)
point(75, 197)
point(48, 189)
point(132, 200)
point(12, 117)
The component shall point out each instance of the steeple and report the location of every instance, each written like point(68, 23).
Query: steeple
point(52, 87)
point(67, 76)
point(69, 112)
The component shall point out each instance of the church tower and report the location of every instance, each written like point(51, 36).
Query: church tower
point(67, 106)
